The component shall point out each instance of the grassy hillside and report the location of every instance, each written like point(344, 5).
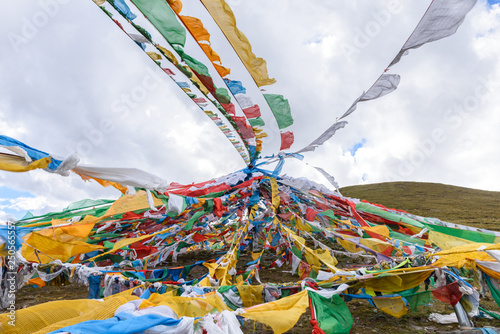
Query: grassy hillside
point(459, 205)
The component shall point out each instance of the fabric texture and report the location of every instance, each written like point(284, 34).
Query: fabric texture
point(164, 19)
point(329, 133)
point(384, 85)
point(332, 314)
point(280, 315)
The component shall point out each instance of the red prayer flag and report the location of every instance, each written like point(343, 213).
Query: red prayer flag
point(287, 139)
point(229, 107)
point(450, 293)
point(169, 72)
point(310, 214)
point(252, 112)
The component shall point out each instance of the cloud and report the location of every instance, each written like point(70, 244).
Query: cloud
point(23, 203)
point(67, 89)
point(4, 217)
point(438, 93)
point(12, 208)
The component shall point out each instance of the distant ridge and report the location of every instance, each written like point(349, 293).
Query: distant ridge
point(472, 207)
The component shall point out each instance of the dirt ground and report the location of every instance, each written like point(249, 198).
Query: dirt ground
point(31, 295)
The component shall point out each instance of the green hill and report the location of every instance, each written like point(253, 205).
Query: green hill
point(458, 205)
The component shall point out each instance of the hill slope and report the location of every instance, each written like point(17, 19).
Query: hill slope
point(458, 205)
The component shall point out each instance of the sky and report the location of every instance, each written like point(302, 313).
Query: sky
point(64, 64)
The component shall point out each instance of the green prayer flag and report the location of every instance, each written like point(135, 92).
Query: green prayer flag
point(418, 299)
point(388, 215)
point(494, 292)
point(281, 109)
point(297, 252)
point(214, 195)
point(164, 19)
point(106, 11)
point(474, 236)
point(256, 121)
point(87, 203)
point(182, 245)
point(405, 237)
point(225, 288)
point(185, 70)
point(209, 204)
point(108, 244)
point(285, 293)
point(222, 95)
point(491, 314)
point(194, 218)
point(333, 315)
point(143, 31)
point(194, 64)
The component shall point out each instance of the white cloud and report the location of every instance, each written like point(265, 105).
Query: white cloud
point(4, 217)
point(62, 85)
point(24, 203)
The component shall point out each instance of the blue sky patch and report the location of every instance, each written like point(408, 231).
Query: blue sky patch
point(316, 39)
point(6, 194)
point(17, 214)
point(357, 146)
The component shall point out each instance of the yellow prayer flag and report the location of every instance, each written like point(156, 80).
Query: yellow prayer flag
point(53, 248)
point(223, 15)
point(154, 55)
point(282, 314)
point(250, 294)
point(14, 163)
point(394, 306)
